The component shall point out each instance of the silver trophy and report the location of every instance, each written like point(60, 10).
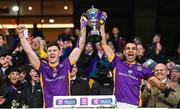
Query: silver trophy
point(95, 19)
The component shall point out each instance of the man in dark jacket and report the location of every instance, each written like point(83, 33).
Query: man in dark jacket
point(32, 90)
point(79, 86)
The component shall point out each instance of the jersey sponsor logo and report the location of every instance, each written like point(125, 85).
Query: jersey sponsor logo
point(61, 65)
point(139, 68)
point(54, 74)
point(55, 79)
point(130, 71)
point(128, 75)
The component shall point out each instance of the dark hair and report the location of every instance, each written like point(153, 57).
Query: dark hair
point(53, 44)
point(12, 69)
point(130, 42)
point(21, 68)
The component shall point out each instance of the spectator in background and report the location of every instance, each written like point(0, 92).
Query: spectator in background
point(32, 92)
point(19, 57)
point(9, 89)
point(79, 86)
point(76, 33)
point(157, 53)
point(85, 60)
point(36, 48)
point(22, 76)
point(7, 43)
point(118, 41)
point(170, 65)
point(5, 64)
point(152, 97)
point(43, 45)
point(141, 56)
point(175, 74)
point(67, 36)
point(156, 39)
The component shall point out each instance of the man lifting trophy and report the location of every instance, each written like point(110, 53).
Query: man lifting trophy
point(95, 19)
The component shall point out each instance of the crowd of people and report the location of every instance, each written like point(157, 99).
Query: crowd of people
point(139, 75)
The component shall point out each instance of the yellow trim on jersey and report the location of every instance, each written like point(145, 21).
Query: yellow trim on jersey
point(111, 59)
point(38, 65)
point(140, 96)
point(114, 78)
point(42, 86)
point(71, 61)
point(149, 79)
point(91, 82)
point(69, 84)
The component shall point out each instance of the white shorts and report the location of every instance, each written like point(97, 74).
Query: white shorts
point(121, 105)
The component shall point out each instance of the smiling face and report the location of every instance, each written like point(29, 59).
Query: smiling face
point(35, 44)
point(53, 54)
point(130, 52)
point(34, 75)
point(14, 77)
point(160, 71)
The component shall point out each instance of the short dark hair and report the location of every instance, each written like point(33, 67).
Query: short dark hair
point(53, 44)
point(12, 69)
point(130, 42)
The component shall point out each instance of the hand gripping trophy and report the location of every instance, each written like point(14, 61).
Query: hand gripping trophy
point(95, 19)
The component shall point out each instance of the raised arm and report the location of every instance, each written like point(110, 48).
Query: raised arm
point(75, 54)
point(107, 50)
point(33, 58)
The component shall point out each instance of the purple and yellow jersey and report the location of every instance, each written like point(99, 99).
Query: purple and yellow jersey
point(54, 82)
point(127, 80)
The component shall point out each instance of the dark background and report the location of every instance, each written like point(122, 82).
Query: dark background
point(138, 18)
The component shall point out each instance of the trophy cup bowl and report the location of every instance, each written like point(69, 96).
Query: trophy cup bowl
point(93, 15)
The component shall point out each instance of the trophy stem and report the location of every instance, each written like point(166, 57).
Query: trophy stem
point(94, 27)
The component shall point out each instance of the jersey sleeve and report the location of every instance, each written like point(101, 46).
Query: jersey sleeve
point(147, 73)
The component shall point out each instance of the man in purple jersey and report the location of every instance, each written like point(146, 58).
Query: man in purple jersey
point(128, 75)
point(54, 74)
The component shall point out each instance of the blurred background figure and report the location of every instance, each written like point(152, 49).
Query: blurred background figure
point(78, 85)
point(118, 41)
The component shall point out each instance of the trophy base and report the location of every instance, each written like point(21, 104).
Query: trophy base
point(95, 38)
